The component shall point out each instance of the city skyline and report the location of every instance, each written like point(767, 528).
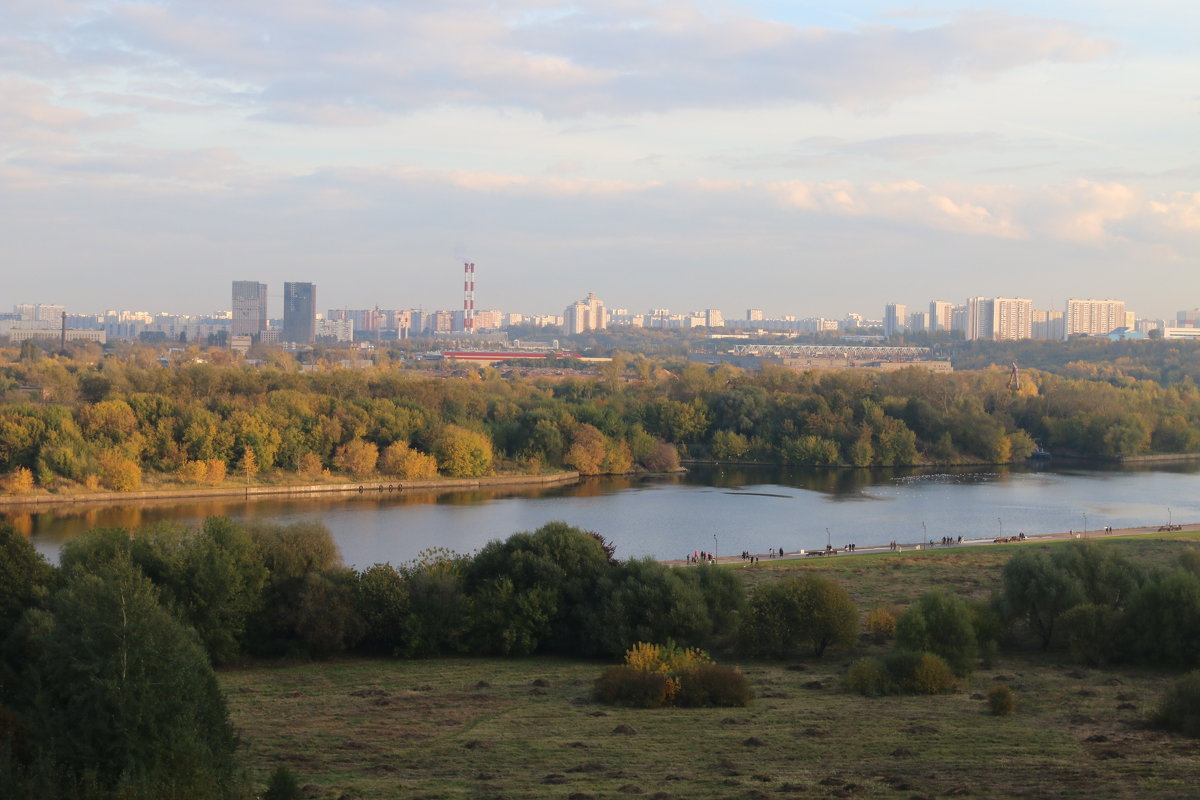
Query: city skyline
point(703, 154)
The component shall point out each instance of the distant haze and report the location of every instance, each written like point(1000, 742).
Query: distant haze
point(803, 158)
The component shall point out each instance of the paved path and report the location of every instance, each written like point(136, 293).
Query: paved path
point(766, 558)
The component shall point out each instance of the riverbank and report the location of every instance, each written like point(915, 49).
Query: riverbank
point(290, 491)
point(773, 557)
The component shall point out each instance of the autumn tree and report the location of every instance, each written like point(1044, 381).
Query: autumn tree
point(357, 457)
point(463, 453)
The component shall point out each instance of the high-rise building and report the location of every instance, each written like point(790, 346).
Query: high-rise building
point(249, 308)
point(1093, 317)
point(299, 313)
point(588, 314)
point(1048, 325)
point(919, 321)
point(999, 318)
point(1188, 319)
point(713, 318)
point(940, 318)
point(894, 318)
point(754, 315)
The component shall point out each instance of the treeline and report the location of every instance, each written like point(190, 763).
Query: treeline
point(111, 423)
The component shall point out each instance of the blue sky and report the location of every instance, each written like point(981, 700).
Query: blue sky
point(807, 158)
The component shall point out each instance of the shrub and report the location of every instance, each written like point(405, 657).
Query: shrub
point(713, 685)
point(1001, 701)
point(630, 686)
point(881, 624)
point(869, 677)
point(932, 675)
point(939, 623)
point(283, 785)
point(1179, 709)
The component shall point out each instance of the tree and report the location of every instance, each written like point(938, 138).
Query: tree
point(586, 454)
point(25, 577)
point(248, 465)
point(384, 607)
point(810, 610)
point(462, 453)
point(939, 623)
point(406, 463)
point(357, 457)
point(117, 691)
point(19, 481)
point(119, 473)
point(1039, 591)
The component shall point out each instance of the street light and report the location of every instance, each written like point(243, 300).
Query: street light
point(1168, 516)
point(1001, 527)
point(1085, 524)
point(716, 549)
point(828, 540)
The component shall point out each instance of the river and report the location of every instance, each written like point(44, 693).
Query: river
point(710, 508)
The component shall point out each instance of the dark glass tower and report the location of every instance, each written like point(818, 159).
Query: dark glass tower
point(299, 313)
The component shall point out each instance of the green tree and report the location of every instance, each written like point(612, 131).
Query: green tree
point(1038, 592)
point(117, 691)
point(25, 577)
point(809, 610)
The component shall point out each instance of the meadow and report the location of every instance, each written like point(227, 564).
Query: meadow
point(528, 727)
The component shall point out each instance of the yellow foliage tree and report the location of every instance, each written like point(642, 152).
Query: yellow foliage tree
point(587, 450)
point(119, 473)
point(462, 453)
point(192, 472)
point(356, 457)
point(19, 481)
point(406, 463)
point(310, 466)
point(214, 473)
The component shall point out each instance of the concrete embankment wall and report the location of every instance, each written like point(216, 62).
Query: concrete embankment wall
point(299, 490)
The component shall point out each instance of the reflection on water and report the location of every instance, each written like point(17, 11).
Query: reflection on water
point(724, 508)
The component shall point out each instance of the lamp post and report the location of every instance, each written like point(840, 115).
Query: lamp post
point(999, 520)
point(1169, 517)
point(716, 549)
point(1085, 524)
point(924, 531)
point(828, 540)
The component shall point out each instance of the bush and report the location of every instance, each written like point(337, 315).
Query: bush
point(118, 473)
point(405, 463)
point(1179, 709)
point(1001, 701)
point(881, 624)
point(940, 623)
point(19, 481)
point(713, 685)
point(283, 785)
point(630, 686)
point(931, 675)
point(869, 677)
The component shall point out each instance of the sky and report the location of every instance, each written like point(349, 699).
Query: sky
point(803, 157)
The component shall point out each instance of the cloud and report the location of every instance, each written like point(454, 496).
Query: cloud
point(599, 56)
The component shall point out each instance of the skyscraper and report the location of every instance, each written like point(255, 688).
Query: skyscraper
point(249, 308)
point(299, 313)
point(894, 318)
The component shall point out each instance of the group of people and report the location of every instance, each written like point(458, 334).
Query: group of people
point(701, 557)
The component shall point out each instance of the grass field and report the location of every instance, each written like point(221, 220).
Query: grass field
point(527, 728)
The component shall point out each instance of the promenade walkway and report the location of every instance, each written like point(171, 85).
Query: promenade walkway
point(911, 547)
